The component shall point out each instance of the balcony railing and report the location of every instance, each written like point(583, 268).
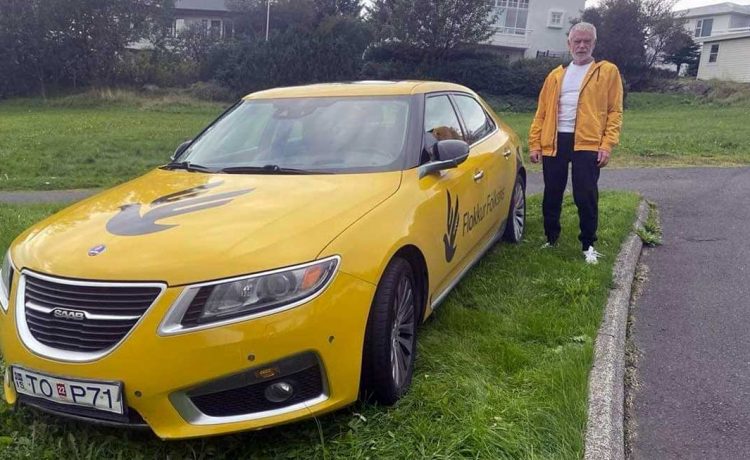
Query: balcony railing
point(514, 37)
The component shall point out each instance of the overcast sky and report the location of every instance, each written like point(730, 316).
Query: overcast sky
point(684, 4)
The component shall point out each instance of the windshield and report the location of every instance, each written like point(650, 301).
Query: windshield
point(327, 134)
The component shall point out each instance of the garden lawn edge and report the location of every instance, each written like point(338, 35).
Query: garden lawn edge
point(605, 427)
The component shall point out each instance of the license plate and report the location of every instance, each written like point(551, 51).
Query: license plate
point(106, 396)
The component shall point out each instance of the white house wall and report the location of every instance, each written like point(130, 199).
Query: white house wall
point(731, 62)
point(721, 24)
point(542, 36)
point(737, 22)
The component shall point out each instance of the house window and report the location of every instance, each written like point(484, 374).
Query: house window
point(703, 27)
point(228, 29)
point(215, 30)
point(714, 53)
point(177, 26)
point(514, 16)
point(555, 19)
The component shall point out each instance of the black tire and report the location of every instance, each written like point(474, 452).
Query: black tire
point(391, 338)
point(516, 223)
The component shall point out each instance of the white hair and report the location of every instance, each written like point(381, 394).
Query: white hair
point(583, 27)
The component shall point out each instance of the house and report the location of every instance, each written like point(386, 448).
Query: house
point(212, 16)
point(723, 30)
point(533, 28)
point(726, 57)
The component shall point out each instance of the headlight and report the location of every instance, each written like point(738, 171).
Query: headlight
point(228, 301)
point(6, 278)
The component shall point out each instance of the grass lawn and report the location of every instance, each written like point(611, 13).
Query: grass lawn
point(79, 143)
point(48, 147)
point(672, 130)
point(501, 370)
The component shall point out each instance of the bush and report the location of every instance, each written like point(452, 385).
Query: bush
point(140, 68)
point(526, 76)
point(333, 52)
point(481, 69)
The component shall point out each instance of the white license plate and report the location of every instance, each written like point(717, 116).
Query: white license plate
point(106, 396)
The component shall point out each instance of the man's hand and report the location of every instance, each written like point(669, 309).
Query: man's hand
point(535, 156)
point(602, 159)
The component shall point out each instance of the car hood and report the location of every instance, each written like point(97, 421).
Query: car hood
point(182, 227)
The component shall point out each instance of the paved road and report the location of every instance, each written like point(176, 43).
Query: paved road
point(692, 322)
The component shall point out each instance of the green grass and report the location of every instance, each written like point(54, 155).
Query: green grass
point(501, 370)
point(74, 143)
point(102, 138)
point(673, 130)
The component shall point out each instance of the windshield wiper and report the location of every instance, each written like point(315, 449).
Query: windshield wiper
point(188, 166)
point(267, 169)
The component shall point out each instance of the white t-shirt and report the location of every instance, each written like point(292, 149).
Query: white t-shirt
point(571, 88)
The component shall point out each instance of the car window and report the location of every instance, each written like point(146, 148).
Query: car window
point(478, 123)
point(331, 134)
point(440, 120)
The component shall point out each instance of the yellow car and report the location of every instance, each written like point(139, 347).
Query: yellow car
point(275, 270)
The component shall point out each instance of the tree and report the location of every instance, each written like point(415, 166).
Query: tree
point(433, 25)
point(682, 49)
point(69, 41)
point(633, 33)
point(326, 8)
point(285, 15)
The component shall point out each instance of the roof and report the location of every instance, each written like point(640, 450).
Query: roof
point(723, 37)
point(712, 10)
point(358, 88)
point(204, 5)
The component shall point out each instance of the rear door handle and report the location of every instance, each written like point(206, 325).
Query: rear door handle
point(507, 153)
point(478, 175)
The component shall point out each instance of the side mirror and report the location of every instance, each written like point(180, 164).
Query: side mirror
point(446, 154)
point(180, 150)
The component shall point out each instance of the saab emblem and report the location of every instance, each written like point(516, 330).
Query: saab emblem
point(96, 250)
point(74, 315)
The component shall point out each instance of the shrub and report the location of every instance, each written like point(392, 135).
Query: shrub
point(333, 52)
point(482, 69)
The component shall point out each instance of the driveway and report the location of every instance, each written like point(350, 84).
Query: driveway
point(692, 322)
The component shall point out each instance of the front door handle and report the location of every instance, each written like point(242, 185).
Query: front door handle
point(478, 175)
point(507, 153)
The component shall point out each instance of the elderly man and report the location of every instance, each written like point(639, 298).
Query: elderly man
point(577, 121)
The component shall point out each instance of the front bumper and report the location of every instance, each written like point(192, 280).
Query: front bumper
point(160, 373)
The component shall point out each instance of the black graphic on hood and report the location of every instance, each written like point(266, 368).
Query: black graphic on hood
point(129, 222)
point(449, 239)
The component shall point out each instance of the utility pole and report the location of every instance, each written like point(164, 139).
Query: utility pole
point(268, 16)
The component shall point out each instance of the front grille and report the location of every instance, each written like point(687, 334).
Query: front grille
point(99, 315)
point(307, 383)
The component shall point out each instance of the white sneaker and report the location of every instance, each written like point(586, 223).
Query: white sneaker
point(548, 245)
point(591, 256)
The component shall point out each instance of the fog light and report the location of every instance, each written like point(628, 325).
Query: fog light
point(279, 392)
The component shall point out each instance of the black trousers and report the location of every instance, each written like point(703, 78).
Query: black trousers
point(585, 189)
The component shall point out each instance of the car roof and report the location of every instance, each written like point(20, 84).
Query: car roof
point(359, 88)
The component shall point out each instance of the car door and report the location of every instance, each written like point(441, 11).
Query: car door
point(452, 195)
point(495, 164)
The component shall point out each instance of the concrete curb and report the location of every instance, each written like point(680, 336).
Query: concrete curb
point(605, 437)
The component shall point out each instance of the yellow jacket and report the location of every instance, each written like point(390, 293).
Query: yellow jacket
point(599, 114)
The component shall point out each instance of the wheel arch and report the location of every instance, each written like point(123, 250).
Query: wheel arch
point(418, 263)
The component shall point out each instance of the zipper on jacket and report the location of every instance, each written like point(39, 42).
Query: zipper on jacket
point(595, 68)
